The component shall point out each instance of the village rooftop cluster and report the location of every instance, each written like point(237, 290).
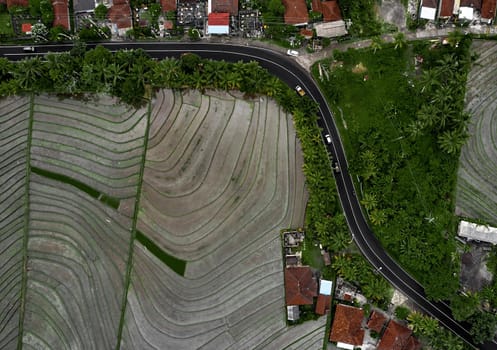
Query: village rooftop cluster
point(351, 327)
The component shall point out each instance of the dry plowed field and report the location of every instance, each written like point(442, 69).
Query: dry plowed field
point(222, 176)
point(78, 250)
point(476, 184)
point(14, 121)
point(99, 145)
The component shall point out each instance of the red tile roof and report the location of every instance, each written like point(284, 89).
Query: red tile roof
point(307, 33)
point(488, 9)
point(430, 3)
point(331, 11)
point(376, 321)
point(300, 285)
point(168, 5)
point(323, 304)
point(61, 13)
point(23, 3)
point(347, 325)
point(295, 11)
point(327, 259)
point(219, 19)
point(395, 337)
point(476, 4)
point(412, 344)
point(230, 6)
point(120, 14)
point(26, 27)
point(447, 8)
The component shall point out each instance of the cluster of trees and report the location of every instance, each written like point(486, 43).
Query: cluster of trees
point(443, 85)
point(405, 131)
point(407, 178)
point(362, 14)
point(428, 329)
point(354, 268)
point(42, 9)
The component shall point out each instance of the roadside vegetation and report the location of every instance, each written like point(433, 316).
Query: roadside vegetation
point(400, 110)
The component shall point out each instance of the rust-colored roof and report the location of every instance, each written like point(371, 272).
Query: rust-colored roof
point(306, 33)
point(430, 3)
point(61, 13)
point(23, 3)
point(326, 259)
point(120, 14)
point(447, 8)
point(412, 344)
point(230, 6)
point(347, 325)
point(323, 304)
point(26, 27)
point(168, 5)
point(331, 11)
point(395, 337)
point(476, 4)
point(295, 11)
point(488, 9)
point(219, 19)
point(376, 321)
point(300, 286)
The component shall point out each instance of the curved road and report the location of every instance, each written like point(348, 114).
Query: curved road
point(292, 74)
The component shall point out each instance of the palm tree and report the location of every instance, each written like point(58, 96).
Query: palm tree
point(415, 128)
point(5, 69)
point(430, 79)
point(116, 72)
point(428, 115)
point(455, 37)
point(376, 43)
point(378, 217)
point(451, 141)
point(369, 201)
point(27, 72)
point(339, 240)
point(399, 40)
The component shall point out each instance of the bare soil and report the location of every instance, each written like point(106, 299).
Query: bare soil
point(476, 192)
point(220, 181)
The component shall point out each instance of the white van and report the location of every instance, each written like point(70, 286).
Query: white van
point(292, 53)
point(29, 48)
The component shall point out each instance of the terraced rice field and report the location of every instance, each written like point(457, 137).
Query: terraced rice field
point(222, 176)
point(476, 185)
point(14, 121)
point(78, 250)
point(100, 145)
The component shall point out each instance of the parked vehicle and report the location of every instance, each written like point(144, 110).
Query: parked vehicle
point(293, 53)
point(300, 91)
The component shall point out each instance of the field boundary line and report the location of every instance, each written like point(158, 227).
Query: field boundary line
point(24, 277)
point(129, 264)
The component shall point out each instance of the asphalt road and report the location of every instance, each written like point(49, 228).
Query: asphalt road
point(291, 73)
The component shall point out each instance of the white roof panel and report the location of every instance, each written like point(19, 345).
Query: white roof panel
point(466, 13)
point(325, 287)
point(428, 13)
point(218, 29)
point(478, 232)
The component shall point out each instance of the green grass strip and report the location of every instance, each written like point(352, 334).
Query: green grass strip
point(177, 265)
point(108, 200)
point(24, 279)
point(127, 280)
